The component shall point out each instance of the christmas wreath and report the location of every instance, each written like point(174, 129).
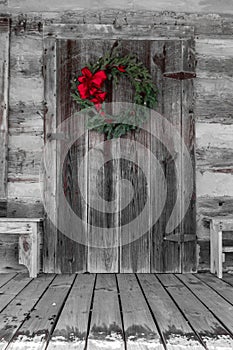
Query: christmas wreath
point(88, 91)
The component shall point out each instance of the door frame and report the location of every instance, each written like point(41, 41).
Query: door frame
point(93, 31)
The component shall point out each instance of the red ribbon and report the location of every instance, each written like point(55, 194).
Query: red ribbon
point(90, 86)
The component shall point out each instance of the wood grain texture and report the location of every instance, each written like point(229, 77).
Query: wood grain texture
point(26, 56)
point(24, 157)
point(214, 59)
point(140, 329)
point(219, 307)
point(136, 171)
point(102, 250)
point(106, 324)
point(188, 132)
point(26, 207)
point(4, 68)
point(36, 330)
point(71, 255)
point(12, 288)
point(197, 314)
point(198, 7)
point(218, 285)
point(96, 31)
point(50, 89)
point(166, 255)
point(103, 176)
point(176, 332)
point(4, 278)
point(216, 183)
point(214, 53)
point(16, 312)
point(72, 325)
point(47, 304)
point(27, 119)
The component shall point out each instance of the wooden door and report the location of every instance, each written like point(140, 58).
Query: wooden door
point(171, 63)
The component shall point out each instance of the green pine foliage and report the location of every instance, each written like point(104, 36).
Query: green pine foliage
point(145, 93)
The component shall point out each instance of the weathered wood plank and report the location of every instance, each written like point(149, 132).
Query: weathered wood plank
point(15, 227)
point(18, 310)
point(50, 90)
point(188, 208)
point(218, 285)
point(167, 57)
point(24, 158)
point(72, 325)
point(213, 102)
point(214, 135)
point(35, 331)
point(27, 207)
point(106, 323)
point(24, 189)
point(27, 119)
point(26, 90)
point(202, 9)
point(4, 68)
point(12, 288)
point(26, 56)
point(135, 169)
point(71, 251)
point(103, 251)
point(27, 24)
point(140, 329)
point(4, 278)
point(214, 58)
point(96, 31)
point(209, 329)
point(228, 278)
point(176, 332)
point(217, 183)
point(214, 159)
point(210, 298)
point(214, 206)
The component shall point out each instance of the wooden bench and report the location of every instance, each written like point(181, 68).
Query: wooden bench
point(29, 240)
point(217, 251)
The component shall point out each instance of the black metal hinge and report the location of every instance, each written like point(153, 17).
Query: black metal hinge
point(180, 75)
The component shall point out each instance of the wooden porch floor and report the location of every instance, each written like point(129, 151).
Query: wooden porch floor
point(124, 311)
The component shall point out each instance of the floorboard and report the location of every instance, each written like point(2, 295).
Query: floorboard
point(140, 329)
point(227, 277)
point(214, 302)
point(176, 331)
point(106, 323)
point(71, 328)
point(111, 312)
point(220, 286)
point(6, 277)
point(19, 308)
point(211, 332)
point(36, 329)
point(12, 288)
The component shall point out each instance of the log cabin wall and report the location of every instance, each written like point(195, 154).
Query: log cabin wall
point(213, 24)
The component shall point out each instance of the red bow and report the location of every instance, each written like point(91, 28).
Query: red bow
point(121, 68)
point(90, 85)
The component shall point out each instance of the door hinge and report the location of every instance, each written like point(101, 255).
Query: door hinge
point(180, 75)
point(177, 237)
